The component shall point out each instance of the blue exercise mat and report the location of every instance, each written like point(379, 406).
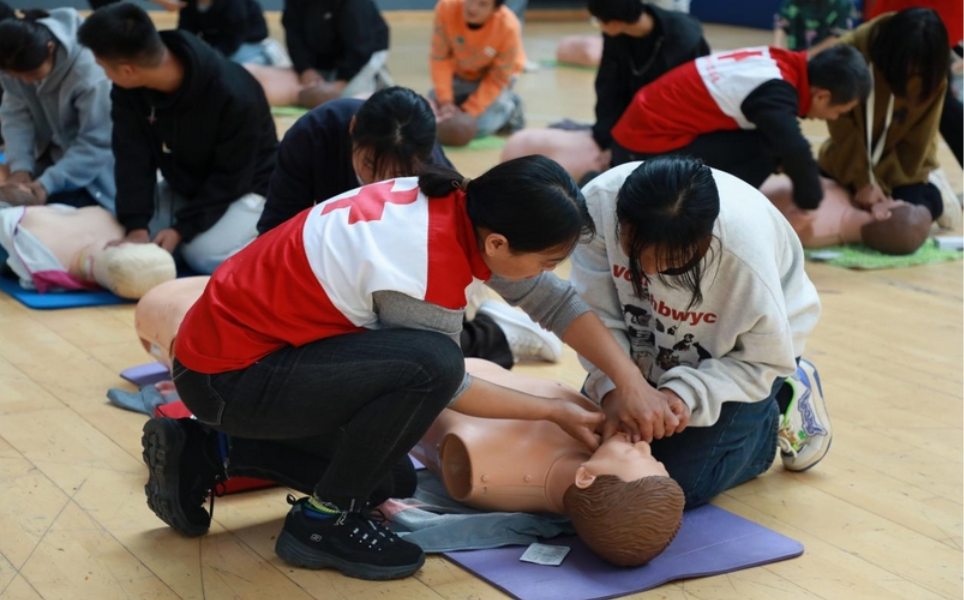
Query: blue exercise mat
point(711, 541)
point(55, 300)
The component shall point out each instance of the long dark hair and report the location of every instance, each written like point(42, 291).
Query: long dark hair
point(912, 42)
point(24, 42)
point(670, 204)
point(397, 127)
point(531, 200)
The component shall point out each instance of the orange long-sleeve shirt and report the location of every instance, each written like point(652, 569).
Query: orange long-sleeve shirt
point(492, 54)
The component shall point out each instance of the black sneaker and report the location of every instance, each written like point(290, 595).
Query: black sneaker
point(350, 542)
point(182, 473)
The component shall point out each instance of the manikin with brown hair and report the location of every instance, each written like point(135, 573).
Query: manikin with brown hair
point(621, 500)
point(890, 226)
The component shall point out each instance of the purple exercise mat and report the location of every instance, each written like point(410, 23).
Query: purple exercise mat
point(142, 375)
point(710, 541)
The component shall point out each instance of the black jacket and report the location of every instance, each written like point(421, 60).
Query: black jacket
point(314, 162)
point(773, 108)
point(629, 63)
point(339, 35)
point(226, 24)
point(213, 139)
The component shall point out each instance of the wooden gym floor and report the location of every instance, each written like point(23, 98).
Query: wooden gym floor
point(880, 517)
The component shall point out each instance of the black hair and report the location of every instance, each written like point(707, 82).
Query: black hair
point(841, 70)
point(398, 127)
point(122, 32)
point(6, 12)
point(626, 11)
point(913, 42)
point(499, 3)
point(670, 204)
point(531, 200)
point(24, 42)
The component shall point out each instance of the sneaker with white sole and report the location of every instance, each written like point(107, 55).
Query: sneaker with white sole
point(527, 339)
point(805, 432)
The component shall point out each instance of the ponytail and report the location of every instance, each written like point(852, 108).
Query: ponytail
point(531, 200)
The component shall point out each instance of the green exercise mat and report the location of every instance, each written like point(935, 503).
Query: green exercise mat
point(551, 63)
point(489, 142)
point(288, 111)
point(858, 256)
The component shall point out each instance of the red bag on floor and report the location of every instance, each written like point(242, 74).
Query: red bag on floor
point(177, 410)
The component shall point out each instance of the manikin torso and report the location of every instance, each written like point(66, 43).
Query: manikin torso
point(69, 234)
point(469, 455)
point(504, 464)
point(837, 221)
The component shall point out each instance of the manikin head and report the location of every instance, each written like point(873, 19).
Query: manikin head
point(904, 232)
point(124, 42)
point(623, 503)
point(27, 48)
point(839, 81)
point(131, 270)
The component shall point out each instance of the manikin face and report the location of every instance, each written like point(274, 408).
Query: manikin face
point(618, 456)
point(477, 12)
point(821, 108)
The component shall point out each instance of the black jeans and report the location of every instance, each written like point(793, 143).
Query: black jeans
point(924, 194)
point(739, 152)
point(362, 400)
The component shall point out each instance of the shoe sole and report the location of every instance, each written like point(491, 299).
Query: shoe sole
point(293, 552)
point(163, 475)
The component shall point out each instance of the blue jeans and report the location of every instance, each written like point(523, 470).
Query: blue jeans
point(358, 401)
point(707, 461)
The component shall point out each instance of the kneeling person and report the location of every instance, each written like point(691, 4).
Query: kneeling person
point(181, 107)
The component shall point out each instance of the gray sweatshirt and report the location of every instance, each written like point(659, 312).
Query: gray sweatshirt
point(758, 305)
point(67, 113)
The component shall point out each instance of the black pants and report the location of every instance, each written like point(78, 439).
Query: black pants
point(483, 338)
point(739, 152)
point(952, 123)
point(360, 401)
point(924, 194)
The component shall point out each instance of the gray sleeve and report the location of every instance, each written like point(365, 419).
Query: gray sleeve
point(548, 300)
point(397, 310)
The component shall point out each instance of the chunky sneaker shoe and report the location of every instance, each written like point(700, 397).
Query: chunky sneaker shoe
point(182, 472)
point(527, 339)
point(350, 542)
point(805, 433)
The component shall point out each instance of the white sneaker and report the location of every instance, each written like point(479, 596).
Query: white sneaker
point(952, 216)
point(805, 433)
point(527, 339)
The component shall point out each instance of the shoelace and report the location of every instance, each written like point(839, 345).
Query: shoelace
point(783, 440)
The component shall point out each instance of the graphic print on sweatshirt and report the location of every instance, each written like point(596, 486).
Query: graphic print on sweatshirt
point(661, 336)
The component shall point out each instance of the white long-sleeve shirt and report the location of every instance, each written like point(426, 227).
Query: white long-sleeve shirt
point(758, 305)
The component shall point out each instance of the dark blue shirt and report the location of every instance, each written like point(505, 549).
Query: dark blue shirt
point(314, 162)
